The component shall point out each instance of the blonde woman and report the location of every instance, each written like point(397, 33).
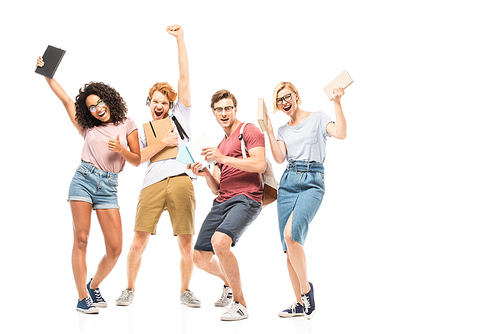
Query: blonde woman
point(301, 141)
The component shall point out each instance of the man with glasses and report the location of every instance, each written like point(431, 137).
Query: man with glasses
point(167, 184)
point(236, 182)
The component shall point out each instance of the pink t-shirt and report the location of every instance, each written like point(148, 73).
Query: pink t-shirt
point(95, 149)
point(234, 182)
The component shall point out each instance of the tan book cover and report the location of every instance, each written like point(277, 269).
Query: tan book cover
point(342, 80)
point(262, 114)
point(155, 131)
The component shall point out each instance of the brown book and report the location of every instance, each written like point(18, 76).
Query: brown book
point(155, 131)
point(262, 114)
point(342, 80)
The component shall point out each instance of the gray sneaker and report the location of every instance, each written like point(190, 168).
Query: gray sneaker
point(188, 298)
point(126, 298)
point(226, 298)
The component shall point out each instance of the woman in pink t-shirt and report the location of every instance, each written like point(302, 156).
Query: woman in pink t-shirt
point(99, 115)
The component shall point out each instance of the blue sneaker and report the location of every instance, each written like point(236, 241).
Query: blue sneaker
point(86, 306)
point(295, 310)
point(95, 295)
point(308, 301)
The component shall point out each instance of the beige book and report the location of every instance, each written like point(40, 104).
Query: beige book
point(342, 80)
point(155, 131)
point(262, 114)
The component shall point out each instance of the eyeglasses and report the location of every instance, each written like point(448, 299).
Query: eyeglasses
point(227, 109)
point(284, 98)
point(100, 104)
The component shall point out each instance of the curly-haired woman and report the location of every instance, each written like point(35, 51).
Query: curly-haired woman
point(99, 115)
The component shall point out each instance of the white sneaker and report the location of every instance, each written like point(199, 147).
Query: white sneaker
point(188, 298)
point(236, 312)
point(126, 298)
point(226, 298)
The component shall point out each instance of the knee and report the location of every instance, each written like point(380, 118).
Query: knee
point(290, 243)
point(81, 241)
point(199, 259)
point(221, 244)
point(138, 246)
point(186, 247)
point(187, 251)
point(288, 237)
point(114, 251)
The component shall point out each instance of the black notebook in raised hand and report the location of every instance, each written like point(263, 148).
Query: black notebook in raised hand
point(51, 58)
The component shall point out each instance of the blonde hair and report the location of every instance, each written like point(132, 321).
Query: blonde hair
point(165, 89)
point(282, 85)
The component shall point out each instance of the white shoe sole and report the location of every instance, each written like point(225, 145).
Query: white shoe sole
point(89, 311)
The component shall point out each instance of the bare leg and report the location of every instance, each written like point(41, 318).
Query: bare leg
point(208, 262)
point(229, 265)
point(134, 257)
point(81, 212)
point(185, 242)
point(296, 262)
point(111, 226)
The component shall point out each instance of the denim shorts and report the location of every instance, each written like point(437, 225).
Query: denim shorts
point(231, 217)
point(94, 186)
point(301, 191)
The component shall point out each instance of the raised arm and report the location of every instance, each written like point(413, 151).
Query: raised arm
point(68, 103)
point(183, 85)
point(278, 148)
point(338, 130)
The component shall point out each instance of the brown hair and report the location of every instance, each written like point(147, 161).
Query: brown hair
point(165, 89)
point(282, 85)
point(221, 95)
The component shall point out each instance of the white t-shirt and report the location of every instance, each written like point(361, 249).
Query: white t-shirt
point(306, 141)
point(160, 170)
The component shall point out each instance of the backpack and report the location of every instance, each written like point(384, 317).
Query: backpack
point(267, 179)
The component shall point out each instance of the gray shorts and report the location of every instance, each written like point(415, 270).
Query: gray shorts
point(231, 217)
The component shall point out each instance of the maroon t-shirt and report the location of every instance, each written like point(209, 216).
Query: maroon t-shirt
point(234, 182)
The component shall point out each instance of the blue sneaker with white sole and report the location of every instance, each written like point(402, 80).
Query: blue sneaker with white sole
point(95, 295)
point(309, 304)
point(86, 306)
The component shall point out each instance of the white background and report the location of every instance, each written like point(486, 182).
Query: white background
point(406, 240)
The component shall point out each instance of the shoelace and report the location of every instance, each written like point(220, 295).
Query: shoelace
point(88, 302)
point(98, 296)
point(293, 307)
point(225, 293)
point(125, 294)
point(306, 301)
point(190, 296)
point(234, 309)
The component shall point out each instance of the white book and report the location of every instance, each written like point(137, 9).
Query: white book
point(342, 80)
point(262, 114)
point(191, 152)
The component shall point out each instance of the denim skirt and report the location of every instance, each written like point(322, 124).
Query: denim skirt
point(301, 191)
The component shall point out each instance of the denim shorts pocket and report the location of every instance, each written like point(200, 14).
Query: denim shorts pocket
point(113, 181)
point(83, 171)
point(322, 176)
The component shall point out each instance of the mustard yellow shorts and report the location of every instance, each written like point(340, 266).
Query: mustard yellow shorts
point(174, 194)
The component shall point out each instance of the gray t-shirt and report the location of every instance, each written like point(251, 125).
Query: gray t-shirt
point(162, 169)
point(306, 141)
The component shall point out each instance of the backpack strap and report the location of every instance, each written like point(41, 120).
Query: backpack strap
point(244, 151)
point(243, 145)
